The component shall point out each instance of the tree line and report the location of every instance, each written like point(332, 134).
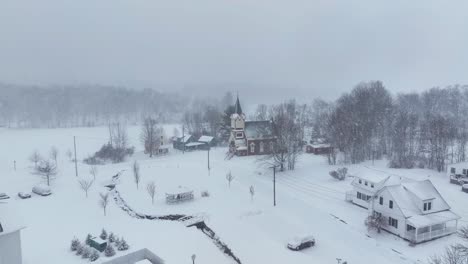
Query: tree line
point(85, 105)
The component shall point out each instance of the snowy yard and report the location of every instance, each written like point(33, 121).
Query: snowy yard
point(308, 201)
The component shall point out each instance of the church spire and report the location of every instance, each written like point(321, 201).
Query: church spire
point(238, 109)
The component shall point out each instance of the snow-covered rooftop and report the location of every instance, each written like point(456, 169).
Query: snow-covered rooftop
point(192, 144)
point(370, 175)
point(205, 139)
point(179, 190)
point(432, 219)
point(409, 196)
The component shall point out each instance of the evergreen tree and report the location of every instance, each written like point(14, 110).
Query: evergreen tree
point(111, 237)
point(94, 256)
point(123, 245)
point(117, 242)
point(75, 244)
point(86, 252)
point(79, 250)
point(103, 235)
point(110, 251)
point(89, 237)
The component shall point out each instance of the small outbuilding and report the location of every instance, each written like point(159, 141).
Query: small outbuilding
point(208, 141)
point(180, 194)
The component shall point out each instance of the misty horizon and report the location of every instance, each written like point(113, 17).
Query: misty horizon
point(266, 49)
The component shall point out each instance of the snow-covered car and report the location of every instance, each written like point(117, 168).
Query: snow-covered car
point(4, 196)
point(465, 188)
point(301, 242)
point(42, 189)
point(24, 195)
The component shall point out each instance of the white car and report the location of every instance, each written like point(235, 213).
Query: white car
point(301, 242)
point(42, 189)
point(24, 195)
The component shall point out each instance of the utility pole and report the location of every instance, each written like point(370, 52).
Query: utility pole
point(209, 158)
point(76, 164)
point(274, 185)
point(183, 139)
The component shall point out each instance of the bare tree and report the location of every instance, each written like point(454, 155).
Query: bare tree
point(104, 201)
point(454, 254)
point(35, 158)
point(136, 173)
point(229, 178)
point(93, 171)
point(85, 185)
point(151, 189)
point(252, 192)
point(118, 136)
point(54, 154)
point(47, 170)
point(151, 136)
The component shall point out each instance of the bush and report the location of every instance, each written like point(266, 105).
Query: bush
point(94, 256)
point(86, 252)
point(75, 244)
point(103, 235)
point(205, 194)
point(109, 153)
point(79, 250)
point(111, 237)
point(110, 251)
point(123, 245)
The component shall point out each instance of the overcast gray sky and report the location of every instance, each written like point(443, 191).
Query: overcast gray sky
point(296, 48)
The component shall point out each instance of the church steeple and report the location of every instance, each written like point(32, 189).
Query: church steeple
point(238, 109)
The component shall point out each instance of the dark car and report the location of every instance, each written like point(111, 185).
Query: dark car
point(302, 242)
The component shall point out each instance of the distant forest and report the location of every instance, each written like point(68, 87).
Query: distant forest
point(72, 106)
point(427, 129)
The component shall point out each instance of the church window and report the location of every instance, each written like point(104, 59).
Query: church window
point(252, 147)
point(261, 147)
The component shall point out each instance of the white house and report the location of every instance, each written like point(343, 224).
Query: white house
point(367, 183)
point(10, 245)
point(414, 210)
point(460, 169)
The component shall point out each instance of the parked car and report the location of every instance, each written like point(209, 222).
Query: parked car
point(301, 242)
point(465, 188)
point(42, 189)
point(24, 195)
point(4, 196)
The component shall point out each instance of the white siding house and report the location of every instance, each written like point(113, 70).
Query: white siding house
point(367, 183)
point(414, 210)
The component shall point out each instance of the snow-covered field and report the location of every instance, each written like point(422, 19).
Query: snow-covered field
point(308, 201)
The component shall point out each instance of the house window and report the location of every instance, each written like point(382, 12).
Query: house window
point(239, 135)
point(392, 222)
point(365, 183)
point(261, 147)
point(372, 185)
point(381, 200)
point(252, 147)
point(452, 170)
point(410, 228)
point(360, 181)
point(358, 195)
point(464, 171)
point(427, 206)
point(390, 204)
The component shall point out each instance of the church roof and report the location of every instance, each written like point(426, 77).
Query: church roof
point(238, 109)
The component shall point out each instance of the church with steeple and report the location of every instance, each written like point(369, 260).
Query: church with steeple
point(250, 137)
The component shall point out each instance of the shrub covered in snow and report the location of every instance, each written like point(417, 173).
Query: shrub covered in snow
point(109, 153)
point(110, 251)
point(205, 194)
point(75, 244)
point(339, 174)
point(87, 251)
point(79, 250)
point(111, 237)
point(94, 256)
point(103, 235)
point(123, 245)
